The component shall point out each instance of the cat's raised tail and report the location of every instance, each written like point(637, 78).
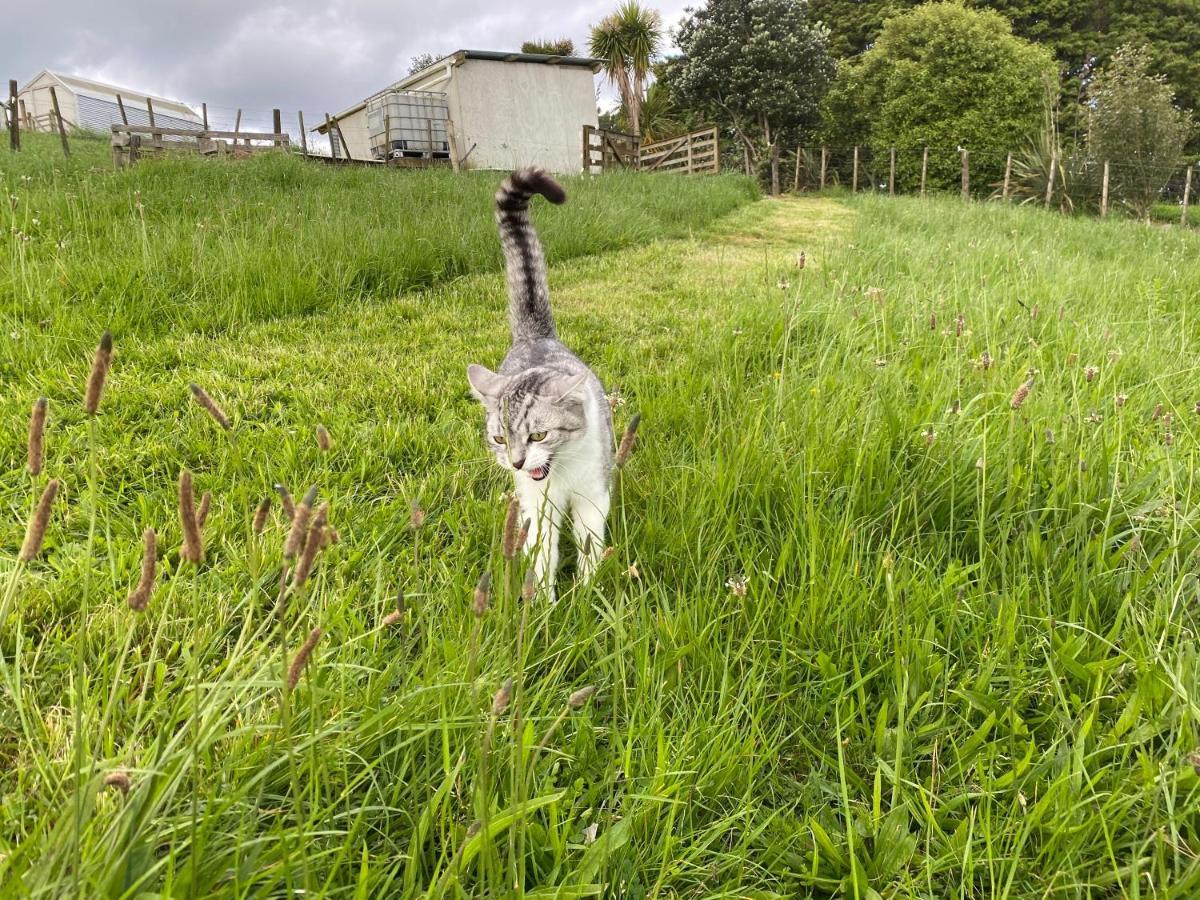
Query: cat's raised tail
point(528, 294)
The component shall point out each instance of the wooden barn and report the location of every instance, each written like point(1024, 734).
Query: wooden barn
point(92, 105)
point(485, 109)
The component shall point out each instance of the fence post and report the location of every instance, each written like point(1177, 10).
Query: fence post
point(924, 169)
point(1187, 190)
point(691, 157)
point(892, 175)
point(824, 162)
point(854, 181)
point(14, 127)
point(1050, 180)
point(1104, 192)
point(121, 108)
point(303, 138)
point(795, 178)
point(24, 117)
point(204, 115)
point(966, 173)
point(62, 129)
point(1007, 177)
point(277, 126)
point(155, 138)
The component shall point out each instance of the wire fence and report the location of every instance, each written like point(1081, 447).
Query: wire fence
point(1072, 182)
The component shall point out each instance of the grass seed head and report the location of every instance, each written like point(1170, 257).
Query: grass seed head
point(296, 669)
point(502, 697)
point(581, 696)
point(101, 363)
point(510, 528)
point(416, 516)
point(627, 440)
point(299, 530)
point(529, 585)
point(139, 599)
point(396, 614)
point(323, 439)
point(210, 406)
point(312, 545)
point(483, 589)
point(118, 780)
point(37, 436)
point(285, 499)
point(35, 532)
point(260, 515)
point(1021, 394)
point(193, 542)
point(933, 321)
point(202, 511)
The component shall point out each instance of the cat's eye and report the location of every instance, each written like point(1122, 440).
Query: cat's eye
point(537, 436)
point(499, 439)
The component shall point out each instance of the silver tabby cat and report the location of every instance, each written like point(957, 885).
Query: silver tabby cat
point(548, 420)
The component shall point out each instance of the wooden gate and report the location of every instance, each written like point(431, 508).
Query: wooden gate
point(695, 153)
point(690, 154)
point(606, 151)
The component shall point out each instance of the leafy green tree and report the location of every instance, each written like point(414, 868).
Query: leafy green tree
point(1134, 123)
point(758, 67)
point(627, 42)
point(421, 61)
point(1082, 34)
point(942, 76)
point(560, 47)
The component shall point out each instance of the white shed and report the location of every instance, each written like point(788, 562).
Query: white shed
point(506, 110)
point(92, 105)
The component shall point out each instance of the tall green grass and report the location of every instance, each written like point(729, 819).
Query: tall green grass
point(963, 664)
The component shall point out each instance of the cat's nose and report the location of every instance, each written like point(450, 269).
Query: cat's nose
point(517, 463)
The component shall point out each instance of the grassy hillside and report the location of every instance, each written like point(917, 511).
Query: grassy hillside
point(962, 663)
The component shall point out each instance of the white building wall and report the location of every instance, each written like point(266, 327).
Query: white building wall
point(520, 114)
point(358, 138)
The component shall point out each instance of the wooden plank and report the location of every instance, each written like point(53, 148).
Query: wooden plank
point(1007, 177)
point(924, 169)
point(62, 129)
point(156, 136)
point(303, 136)
point(966, 172)
point(824, 164)
point(121, 107)
point(1050, 180)
point(892, 175)
point(338, 126)
point(452, 138)
point(1104, 192)
point(14, 126)
point(277, 125)
point(198, 133)
point(1187, 191)
point(587, 149)
point(854, 183)
point(333, 147)
point(204, 115)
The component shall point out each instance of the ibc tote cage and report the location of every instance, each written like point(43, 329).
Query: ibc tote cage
point(409, 125)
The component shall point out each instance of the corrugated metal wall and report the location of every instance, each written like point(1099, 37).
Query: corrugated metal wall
point(101, 115)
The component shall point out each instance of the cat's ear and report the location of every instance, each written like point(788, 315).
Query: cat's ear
point(566, 387)
point(485, 384)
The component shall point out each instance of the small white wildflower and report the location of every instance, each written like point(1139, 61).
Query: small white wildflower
point(929, 436)
point(737, 585)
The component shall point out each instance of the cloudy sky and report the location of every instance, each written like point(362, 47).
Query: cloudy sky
point(315, 55)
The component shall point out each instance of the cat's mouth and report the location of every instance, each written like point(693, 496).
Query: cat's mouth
point(540, 472)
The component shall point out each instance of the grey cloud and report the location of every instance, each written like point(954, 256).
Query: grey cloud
point(310, 55)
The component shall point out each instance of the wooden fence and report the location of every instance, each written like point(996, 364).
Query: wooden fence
point(605, 150)
point(129, 142)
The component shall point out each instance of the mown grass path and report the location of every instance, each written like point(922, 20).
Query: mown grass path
point(962, 663)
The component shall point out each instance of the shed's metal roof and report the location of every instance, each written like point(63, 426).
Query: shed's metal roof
point(458, 57)
point(90, 88)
